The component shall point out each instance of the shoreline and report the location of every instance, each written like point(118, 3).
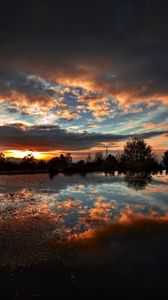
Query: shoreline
point(33, 172)
point(24, 172)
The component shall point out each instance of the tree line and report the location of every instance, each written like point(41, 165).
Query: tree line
point(137, 156)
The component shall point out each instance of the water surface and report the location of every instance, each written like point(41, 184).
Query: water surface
point(36, 210)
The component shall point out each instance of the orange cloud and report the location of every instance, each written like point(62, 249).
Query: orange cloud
point(126, 94)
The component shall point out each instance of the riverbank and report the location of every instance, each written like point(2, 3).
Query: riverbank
point(70, 172)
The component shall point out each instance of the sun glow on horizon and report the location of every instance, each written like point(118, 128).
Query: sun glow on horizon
point(23, 153)
point(76, 154)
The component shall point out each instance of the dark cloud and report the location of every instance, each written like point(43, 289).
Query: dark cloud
point(105, 48)
point(32, 88)
point(75, 39)
point(43, 137)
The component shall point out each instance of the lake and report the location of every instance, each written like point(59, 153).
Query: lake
point(77, 221)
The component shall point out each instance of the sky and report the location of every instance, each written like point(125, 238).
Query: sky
point(77, 76)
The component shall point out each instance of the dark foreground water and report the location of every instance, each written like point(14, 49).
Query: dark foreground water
point(83, 236)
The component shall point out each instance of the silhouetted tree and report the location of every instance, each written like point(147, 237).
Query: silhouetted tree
point(54, 164)
point(2, 161)
point(80, 164)
point(110, 163)
point(2, 156)
point(98, 157)
point(11, 165)
point(28, 162)
point(121, 163)
point(41, 165)
point(68, 158)
point(165, 159)
point(89, 158)
point(61, 163)
point(138, 155)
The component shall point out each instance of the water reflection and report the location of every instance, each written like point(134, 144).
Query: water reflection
point(35, 211)
point(138, 181)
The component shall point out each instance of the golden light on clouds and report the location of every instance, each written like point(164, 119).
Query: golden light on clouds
point(22, 153)
point(83, 82)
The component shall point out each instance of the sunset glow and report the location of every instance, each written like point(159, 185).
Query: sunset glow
point(22, 154)
point(107, 85)
point(83, 149)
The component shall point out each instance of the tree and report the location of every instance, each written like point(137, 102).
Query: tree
point(54, 164)
point(138, 155)
point(98, 157)
point(41, 165)
point(29, 158)
point(68, 158)
point(2, 161)
point(165, 159)
point(89, 158)
point(28, 161)
point(2, 156)
point(57, 164)
point(111, 162)
point(80, 165)
point(62, 162)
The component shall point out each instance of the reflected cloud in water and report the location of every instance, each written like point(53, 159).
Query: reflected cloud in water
point(37, 213)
